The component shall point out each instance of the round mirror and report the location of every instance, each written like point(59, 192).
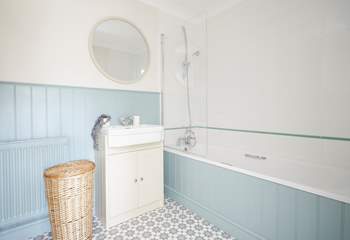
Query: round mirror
point(119, 50)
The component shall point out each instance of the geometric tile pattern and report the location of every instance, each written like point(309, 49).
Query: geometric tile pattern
point(173, 222)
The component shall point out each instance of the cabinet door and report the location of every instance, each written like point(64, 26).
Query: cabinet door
point(123, 192)
point(150, 175)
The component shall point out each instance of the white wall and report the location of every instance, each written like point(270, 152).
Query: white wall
point(46, 41)
point(281, 66)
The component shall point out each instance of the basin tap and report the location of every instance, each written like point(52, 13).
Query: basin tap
point(126, 121)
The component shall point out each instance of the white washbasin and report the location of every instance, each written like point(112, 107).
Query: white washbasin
point(121, 136)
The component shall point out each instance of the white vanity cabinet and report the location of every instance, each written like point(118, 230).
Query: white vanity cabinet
point(129, 177)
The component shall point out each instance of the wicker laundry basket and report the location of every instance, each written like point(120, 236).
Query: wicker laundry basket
point(69, 192)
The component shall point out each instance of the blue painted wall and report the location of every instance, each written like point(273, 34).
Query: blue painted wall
point(34, 111)
point(30, 112)
point(251, 208)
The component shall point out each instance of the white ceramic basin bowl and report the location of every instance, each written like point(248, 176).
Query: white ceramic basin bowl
point(121, 136)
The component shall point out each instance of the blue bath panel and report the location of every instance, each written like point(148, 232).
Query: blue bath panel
point(251, 208)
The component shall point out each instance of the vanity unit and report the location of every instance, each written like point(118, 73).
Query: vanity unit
point(129, 174)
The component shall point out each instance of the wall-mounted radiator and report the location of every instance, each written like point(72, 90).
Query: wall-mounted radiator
point(22, 188)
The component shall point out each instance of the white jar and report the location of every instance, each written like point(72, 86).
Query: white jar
point(136, 121)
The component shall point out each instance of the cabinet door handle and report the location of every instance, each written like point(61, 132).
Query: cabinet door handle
point(135, 180)
point(141, 179)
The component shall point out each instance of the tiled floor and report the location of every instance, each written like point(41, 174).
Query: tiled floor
point(174, 221)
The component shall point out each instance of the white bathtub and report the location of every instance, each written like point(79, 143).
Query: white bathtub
point(326, 181)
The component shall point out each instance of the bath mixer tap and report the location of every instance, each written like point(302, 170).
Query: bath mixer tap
point(185, 140)
point(189, 139)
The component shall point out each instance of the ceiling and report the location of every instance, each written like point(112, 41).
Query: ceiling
point(191, 8)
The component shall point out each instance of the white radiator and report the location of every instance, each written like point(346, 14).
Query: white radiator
point(22, 188)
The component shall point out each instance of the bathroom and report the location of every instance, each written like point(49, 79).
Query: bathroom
point(225, 119)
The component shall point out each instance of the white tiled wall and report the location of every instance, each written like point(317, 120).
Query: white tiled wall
point(275, 66)
point(283, 148)
point(281, 66)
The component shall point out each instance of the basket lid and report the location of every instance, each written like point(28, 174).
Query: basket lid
point(70, 169)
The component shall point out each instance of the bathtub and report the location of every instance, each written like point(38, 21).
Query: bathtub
point(256, 196)
point(326, 181)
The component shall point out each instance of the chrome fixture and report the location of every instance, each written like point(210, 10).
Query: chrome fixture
point(189, 139)
point(196, 53)
point(186, 66)
point(162, 43)
point(258, 157)
point(126, 121)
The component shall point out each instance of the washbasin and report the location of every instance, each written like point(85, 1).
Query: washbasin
point(122, 136)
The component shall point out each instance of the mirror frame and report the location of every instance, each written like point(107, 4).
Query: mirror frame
point(98, 66)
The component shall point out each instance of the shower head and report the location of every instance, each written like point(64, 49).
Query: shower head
point(196, 53)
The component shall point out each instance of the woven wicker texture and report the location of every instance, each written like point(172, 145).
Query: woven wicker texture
point(70, 169)
point(69, 192)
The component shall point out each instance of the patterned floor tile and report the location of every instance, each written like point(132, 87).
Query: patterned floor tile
point(173, 222)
